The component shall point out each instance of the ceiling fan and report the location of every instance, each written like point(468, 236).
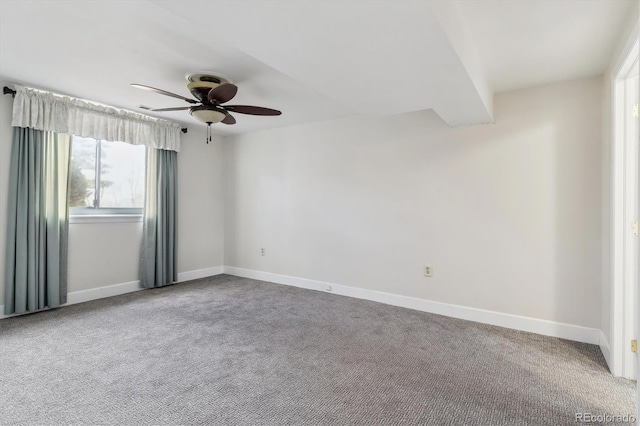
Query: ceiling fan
point(211, 91)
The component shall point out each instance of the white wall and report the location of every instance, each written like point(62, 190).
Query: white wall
point(102, 254)
point(508, 214)
point(200, 201)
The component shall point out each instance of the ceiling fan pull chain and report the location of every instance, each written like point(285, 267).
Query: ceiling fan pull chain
point(208, 132)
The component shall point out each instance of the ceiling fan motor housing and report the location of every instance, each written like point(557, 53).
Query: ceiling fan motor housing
point(200, 84)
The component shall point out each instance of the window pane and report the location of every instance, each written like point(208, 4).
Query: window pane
point(122, 174)
point(82, 172)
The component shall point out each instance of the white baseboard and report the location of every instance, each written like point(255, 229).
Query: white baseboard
point(123, 288)
point(102, 292)
point(606, 351)
point(200, 273)
point(517, 322)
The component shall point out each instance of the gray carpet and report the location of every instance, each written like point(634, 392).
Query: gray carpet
point(233, 351)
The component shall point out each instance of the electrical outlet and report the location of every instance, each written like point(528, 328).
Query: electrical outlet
point(428, 271)
point(261, 252)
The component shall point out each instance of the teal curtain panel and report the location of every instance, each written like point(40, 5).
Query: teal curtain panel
point(158, 259)
point(37, 221)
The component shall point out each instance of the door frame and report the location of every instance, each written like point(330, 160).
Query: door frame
point(622, 360)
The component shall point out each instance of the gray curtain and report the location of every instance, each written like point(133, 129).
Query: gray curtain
point(158, 259)
point(37, 221)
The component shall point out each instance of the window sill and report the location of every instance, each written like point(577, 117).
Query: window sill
point(106, 218)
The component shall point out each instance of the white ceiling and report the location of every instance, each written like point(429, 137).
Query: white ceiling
point(314, 60)
point(526, 43)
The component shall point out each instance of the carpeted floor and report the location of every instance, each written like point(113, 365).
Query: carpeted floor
point(233, 351)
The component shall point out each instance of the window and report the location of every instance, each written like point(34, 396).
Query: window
point(106, 178)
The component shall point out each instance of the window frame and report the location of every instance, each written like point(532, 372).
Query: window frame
point(98, 212)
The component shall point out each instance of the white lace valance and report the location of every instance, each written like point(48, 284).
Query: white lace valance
point(47, 111)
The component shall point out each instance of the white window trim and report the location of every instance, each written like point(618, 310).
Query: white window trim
point(106, 218)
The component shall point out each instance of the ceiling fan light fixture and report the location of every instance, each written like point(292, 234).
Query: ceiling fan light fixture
point(208, 113)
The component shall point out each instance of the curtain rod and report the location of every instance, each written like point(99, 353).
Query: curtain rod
point(8, 91)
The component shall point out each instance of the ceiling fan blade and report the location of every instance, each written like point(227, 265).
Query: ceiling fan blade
point(164, 92)
point(252, 110)
point(229, 119)
point(171, 109)
point(223, 93)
